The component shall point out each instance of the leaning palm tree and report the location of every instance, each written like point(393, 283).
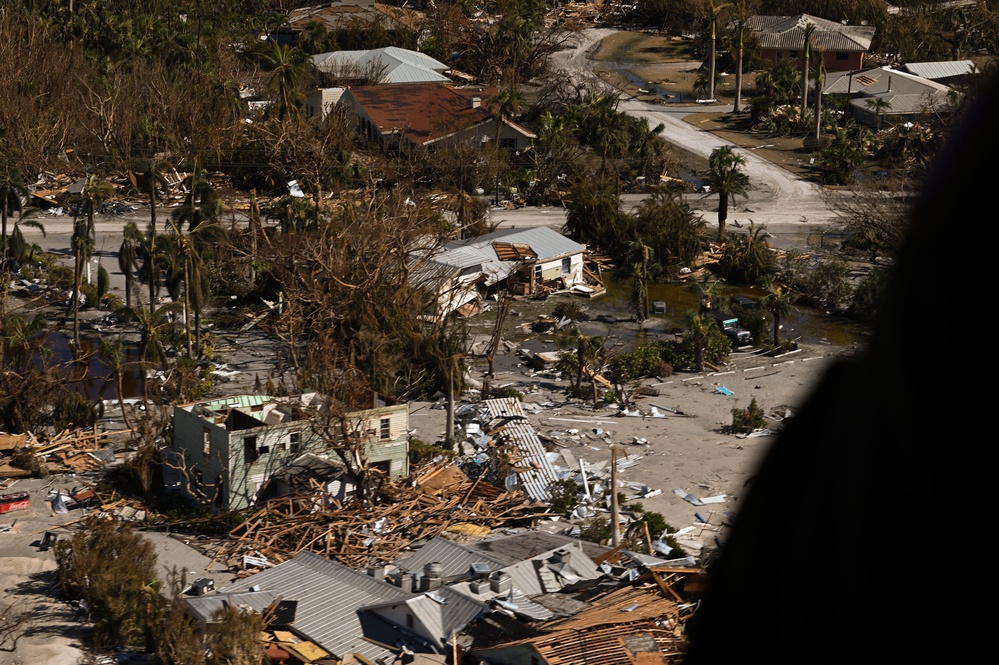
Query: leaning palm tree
point(726, 180)
point(12, 195)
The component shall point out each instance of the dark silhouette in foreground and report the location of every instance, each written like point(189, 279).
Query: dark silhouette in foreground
point(853, 543)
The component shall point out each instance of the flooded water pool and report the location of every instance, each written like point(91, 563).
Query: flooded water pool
point(91, 376)
point(806, 324)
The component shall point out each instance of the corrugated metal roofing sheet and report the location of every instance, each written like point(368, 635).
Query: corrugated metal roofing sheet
point(455, 559)
point(329, 595)
point(399, 65)
point(940, 70)
point(203, 608)
point(545, 241)
point(515, 430)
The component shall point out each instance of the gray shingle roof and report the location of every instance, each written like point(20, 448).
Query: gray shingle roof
point(788, 33)
point(329, 595)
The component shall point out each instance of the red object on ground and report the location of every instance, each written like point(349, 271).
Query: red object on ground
point(14, 501)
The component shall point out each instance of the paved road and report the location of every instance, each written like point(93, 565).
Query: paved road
point(793, 209)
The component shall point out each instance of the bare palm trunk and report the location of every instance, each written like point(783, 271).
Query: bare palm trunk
point(187, 308)
point(449, 425)
point(722, 215)
point(737, 106)
point(77, 283)
point(711, 64)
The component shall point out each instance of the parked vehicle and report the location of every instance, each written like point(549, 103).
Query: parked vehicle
point(730, 326)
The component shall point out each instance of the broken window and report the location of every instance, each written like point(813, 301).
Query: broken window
point(294, 442)
point(385, 430)
point(250, 454)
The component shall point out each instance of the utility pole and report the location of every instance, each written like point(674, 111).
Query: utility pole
point(615, 511)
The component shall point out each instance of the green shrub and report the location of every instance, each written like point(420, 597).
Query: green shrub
point(746, 420)
point(113, 570)
point(565, 495)
point(868, 294)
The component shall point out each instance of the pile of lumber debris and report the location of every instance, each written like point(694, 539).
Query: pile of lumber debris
point(69, 451)
point(437, 499)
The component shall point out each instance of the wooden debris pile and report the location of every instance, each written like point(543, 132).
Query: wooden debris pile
point(69, 451)
point(437, 499)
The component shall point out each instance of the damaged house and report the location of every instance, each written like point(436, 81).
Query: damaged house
point(522, 261)
point(229, 449)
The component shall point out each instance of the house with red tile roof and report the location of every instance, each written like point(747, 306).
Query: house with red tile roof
point(425, 114)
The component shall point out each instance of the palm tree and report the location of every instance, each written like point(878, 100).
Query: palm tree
point(698, 329)
point(710, 293)
point(186, 273)
point(739, 26)
point(879, 105)
point(152, 260)
point(154, 179)
point(83, 246)
point(202, 204)
point(640, 273)
point(727, 180)
point(806, 55)
point(288, 67)
point(506, 105)
point(95, 192)
point(715, 11)
point(778, 302)
point(819, 75)
point(12, 195)
point(153, 328)
point(128, 256)
point(19, 249)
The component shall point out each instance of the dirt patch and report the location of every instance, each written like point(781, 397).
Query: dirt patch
point(658, 69)
point(639, 47)
point(787, 152)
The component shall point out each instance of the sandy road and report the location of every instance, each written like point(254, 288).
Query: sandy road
point(789, 206)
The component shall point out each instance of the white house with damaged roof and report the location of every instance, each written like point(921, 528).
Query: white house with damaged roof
point(229, 448)
point(522, 261)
